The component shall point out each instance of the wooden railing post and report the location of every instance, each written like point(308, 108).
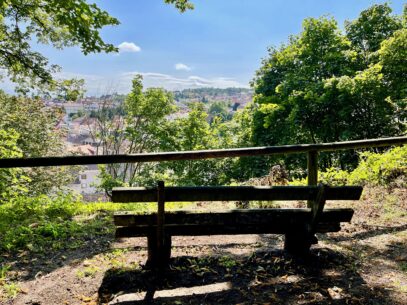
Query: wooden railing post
point(312, 167)
point(160, 221)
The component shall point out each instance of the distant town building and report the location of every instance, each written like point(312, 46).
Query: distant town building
point(87, 181)
point(72, 108)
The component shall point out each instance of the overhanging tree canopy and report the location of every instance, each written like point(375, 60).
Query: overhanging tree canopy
point(328, 85)
point(54, 22)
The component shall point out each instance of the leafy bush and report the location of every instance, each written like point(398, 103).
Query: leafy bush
point(25, 126)
point(33, 223)
point(61, 221)
point(386, 169)
point(12, 180)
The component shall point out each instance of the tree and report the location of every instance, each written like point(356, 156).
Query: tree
point(34, 129)
point(393, 60)
point(219, 109)
point(12, 181)
point(141, 130)
point(325, 85)
point(193, 133)
point(58, 23)
point(71, 89)
point(236, 133)
point(181, 5)
point(289, 81)
point(373, 26)
point(370, 111)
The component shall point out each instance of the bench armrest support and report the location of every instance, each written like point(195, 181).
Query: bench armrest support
point(318, 206)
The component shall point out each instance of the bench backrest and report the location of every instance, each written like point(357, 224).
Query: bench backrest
point(234, 193)
point(317, 196)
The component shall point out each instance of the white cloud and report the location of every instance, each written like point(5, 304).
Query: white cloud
point(183, 67)
point(121, 83)
point(99, 84)
point(170, 82)
point(130, 47)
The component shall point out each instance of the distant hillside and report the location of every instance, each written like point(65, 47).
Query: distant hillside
point(206, 95)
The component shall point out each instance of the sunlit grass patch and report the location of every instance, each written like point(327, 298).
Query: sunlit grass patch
point(60, 222)
point(140, 207)
point(10, 290)
point(8, 287)
point(89, 271)
point(392, 209)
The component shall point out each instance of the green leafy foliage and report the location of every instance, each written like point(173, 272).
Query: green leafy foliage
point(193, 133)
point(12, 181)
point(59, 23)
point(376, 169)
point(388, 169)
point(373, 26)
point(36, 223)
point(220, 110)
point(53, 22)
point(143, 128)
point(71, 89)
point(62, 221)
point(326, 85)
point(290, 83)
point(181, 5)
point(373, 116)
point(33, 128)
point(11, 289)
point(34, 123)
point(392, 58)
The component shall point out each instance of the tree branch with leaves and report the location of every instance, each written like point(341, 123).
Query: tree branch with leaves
point(24, 23)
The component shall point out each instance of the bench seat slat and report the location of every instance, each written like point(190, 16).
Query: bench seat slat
point(199, 229)
point(234, 216)
point(234, 193)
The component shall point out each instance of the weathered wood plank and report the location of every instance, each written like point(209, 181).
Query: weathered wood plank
point(312, 168)
point(318, 206)
point(232, 193)
point(261, 217)
point(157, 258)
point(200, 229)
point(196, 155)
point(160, 223)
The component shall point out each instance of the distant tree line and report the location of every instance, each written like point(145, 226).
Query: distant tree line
point(210, 91)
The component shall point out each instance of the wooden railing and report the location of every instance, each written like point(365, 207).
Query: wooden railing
point(311, 149)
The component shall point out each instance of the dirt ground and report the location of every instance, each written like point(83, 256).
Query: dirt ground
point(364, 263)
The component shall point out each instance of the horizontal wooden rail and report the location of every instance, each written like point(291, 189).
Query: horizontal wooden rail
point(199, 154)
point(233, 193)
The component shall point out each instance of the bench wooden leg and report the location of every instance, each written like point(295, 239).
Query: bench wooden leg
point(299, 242)
point(158, 260)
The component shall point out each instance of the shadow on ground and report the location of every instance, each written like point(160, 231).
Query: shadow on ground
point(325, 277)
point(371, 231)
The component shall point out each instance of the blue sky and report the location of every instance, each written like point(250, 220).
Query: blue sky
point(220, 43)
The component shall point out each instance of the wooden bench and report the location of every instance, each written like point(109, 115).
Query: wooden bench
point(299, 225)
